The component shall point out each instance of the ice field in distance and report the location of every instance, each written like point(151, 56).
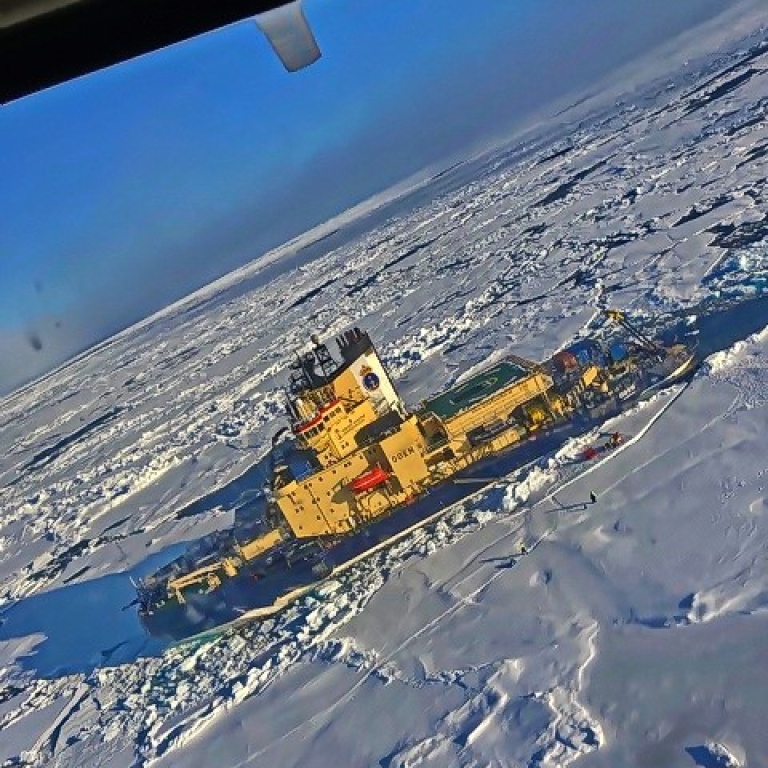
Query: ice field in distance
point(634, 633)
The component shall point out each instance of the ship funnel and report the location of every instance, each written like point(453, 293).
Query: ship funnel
point(352, 344)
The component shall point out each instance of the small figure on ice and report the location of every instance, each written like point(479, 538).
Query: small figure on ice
point(592, 497)
point(523, 549)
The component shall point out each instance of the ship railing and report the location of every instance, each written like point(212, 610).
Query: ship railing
point(521, 362)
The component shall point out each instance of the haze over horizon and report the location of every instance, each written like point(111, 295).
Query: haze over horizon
point(135, 186)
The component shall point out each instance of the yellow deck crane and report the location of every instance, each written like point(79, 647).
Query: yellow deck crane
point(648, 344)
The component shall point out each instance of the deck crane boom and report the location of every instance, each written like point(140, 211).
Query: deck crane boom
point(645, 341)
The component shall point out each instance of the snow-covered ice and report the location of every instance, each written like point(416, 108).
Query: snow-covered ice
point(634, 633)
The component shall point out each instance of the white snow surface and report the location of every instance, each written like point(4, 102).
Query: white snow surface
point(634, 633)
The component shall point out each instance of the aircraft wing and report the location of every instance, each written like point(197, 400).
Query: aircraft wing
point(47, 42)
point(289, 34)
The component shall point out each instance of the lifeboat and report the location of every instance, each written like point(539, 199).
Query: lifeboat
point(369, 480)
point(316, 419)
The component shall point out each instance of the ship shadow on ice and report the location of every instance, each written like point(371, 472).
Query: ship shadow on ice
point(242, 494)
point(721, 329)
point(78, 628)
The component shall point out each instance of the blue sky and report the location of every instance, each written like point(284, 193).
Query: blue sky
point(124, 190)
